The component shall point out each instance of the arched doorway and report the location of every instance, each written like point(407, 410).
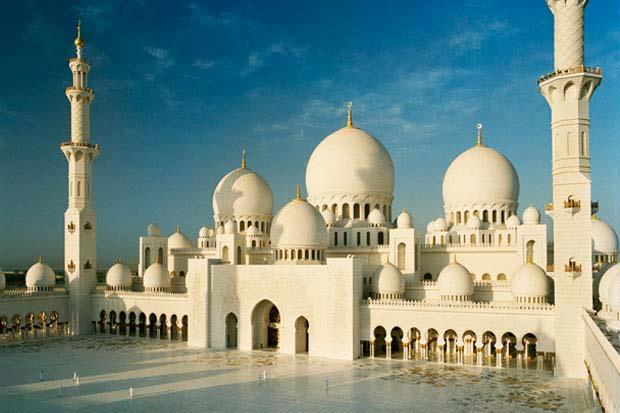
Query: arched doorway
point(153, 326)
point(302, 341)
point(379, 340)
point(231, 331)
point(401, 254)
point(102, 317)
point(266, 326)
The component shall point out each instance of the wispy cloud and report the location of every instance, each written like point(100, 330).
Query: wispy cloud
point(203, 16)
point(4, 111)
point(475, 35)
point(204, 64)
point(257, 59)
point(163, 61)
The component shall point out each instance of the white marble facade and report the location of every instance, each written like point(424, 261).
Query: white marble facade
point(338, 273)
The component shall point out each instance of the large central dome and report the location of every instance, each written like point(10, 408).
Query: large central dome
point(349, 161)
point(480, 176)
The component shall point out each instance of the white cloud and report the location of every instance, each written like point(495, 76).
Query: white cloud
point(203, 64)
point(204, 17)
point(163, 61)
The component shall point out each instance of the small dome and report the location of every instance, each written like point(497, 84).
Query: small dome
point(513, 221)
point(251, 231)
point(430, 227)
point(40, 276)
point(376, 217)
point(230, 227)
point(608, 276)
point(440, 225)
point(614, 294)
point(242, 192)
point(474, 222)
point(387, 280)
point(118, 276)
point(156, 278)
point(2, 280)
point(298, 224)
point(531, 216)
point(455, 283)
point(529, 281)
point(404, 220)
point(203, 232)
point(153, 230)
point(219, 229)
point(178, 240)
point(604, 238)
point(349, 161)
point(329, 217)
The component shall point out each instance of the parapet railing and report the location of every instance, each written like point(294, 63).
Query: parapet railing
point(24, 292)
point(449, 306)
point(572, 70)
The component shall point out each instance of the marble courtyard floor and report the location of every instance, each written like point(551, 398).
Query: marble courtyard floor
point(166, 376)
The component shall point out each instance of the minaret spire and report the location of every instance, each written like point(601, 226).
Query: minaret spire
point(79, 42)
point(350, 115)
point(479, 127)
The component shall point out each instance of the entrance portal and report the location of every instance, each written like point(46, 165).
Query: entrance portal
point(266, 326)
point(301, 335)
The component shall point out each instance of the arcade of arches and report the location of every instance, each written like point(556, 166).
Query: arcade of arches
point(135, 324)
point(31, 326)
point(449, 347)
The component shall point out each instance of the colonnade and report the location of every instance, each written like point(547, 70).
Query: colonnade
point(31, 326)
point(132, 325)
point(450, 347)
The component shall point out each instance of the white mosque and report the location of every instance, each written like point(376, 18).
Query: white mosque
point(338, 274)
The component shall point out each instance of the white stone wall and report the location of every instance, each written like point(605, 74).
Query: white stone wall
point(603, 363)
point(20, 302)
point(140, 302)
point(326, 295)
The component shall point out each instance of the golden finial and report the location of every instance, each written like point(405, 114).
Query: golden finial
point(350, 115)
point(178, 229)
point(479, 127)
point(244, 163)
point(595, 217)
point(40, 258)
point(79, 42)
point(298, 192)
point(453, 259)
point(118, 260)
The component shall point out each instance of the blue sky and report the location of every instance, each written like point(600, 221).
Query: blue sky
point(182, 86)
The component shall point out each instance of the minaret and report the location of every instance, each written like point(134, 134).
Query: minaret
point(568, 91)
point(80, 244)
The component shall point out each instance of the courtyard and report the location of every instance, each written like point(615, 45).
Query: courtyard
point(166, 376)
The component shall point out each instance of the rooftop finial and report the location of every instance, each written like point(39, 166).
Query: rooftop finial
point(40, 258)
point(298, 192)
point(178, 228)
point(244, 163)
point(79, 42)
point(479, 127)
point(118, 260)
point(350, 115)
point(453, 259)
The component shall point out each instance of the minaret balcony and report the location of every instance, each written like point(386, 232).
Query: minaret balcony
point(573, 70)
point(80, 144)
point(79, 89)
point(571, 205)
point(572, 268)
